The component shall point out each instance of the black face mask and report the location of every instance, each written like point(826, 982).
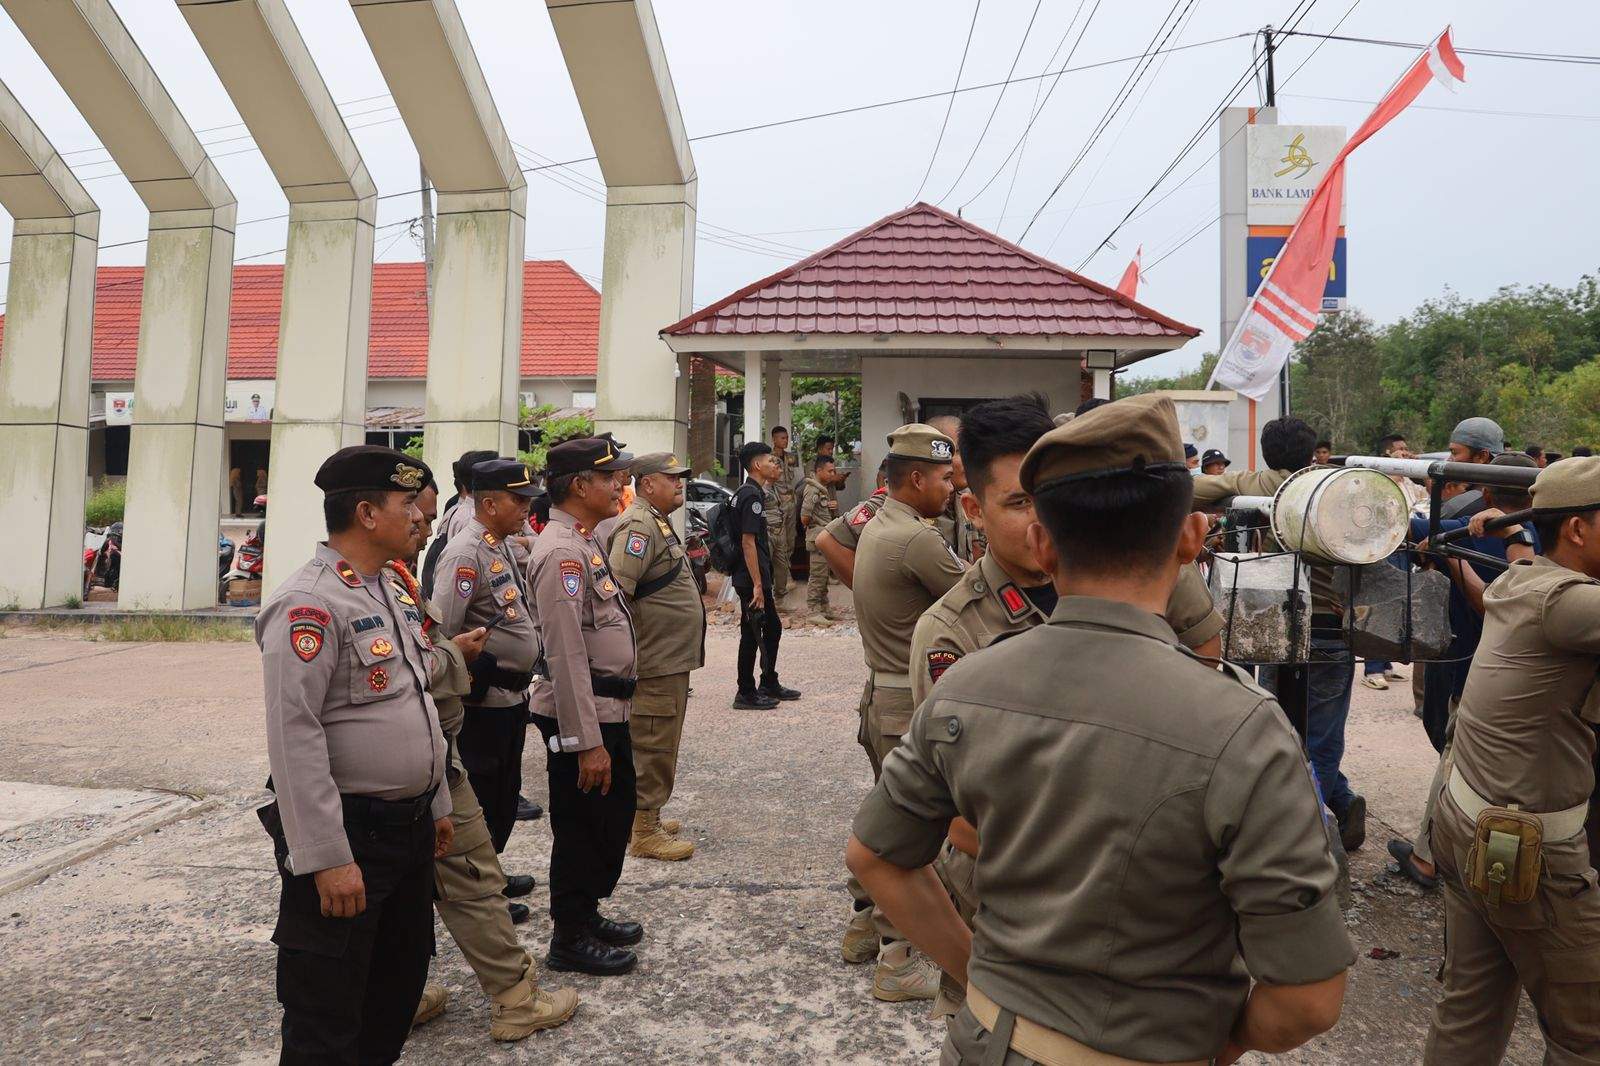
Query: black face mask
point(1043, 597)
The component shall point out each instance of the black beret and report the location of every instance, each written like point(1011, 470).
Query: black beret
point(503, 475)
point(370, 468)
point(586, 453)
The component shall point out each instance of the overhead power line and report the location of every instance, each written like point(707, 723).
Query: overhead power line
point(1491, 53)
point(960, 69)
point(999, 98)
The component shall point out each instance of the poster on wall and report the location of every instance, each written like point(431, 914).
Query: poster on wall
point(119, 408)
point(249, 400)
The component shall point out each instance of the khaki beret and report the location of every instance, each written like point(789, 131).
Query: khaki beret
point(1571, 485)
point(1128, 436)
point(921, 442)
point(657, 463)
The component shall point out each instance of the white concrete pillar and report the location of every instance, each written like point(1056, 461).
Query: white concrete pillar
point(619, 70)
point(173, 468)
point(769, 395)
point(786, 401)
point(44, 368)
point(475, 326)
point(753, 430)
point(264, 64)
point(1101, 364)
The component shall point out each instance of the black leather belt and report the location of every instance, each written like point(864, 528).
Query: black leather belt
point(616, 688)
point(374, 811)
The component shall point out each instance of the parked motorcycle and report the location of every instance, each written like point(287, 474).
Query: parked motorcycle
point(225, 553)
point(696, 543)
point(247, 561)
point(102, 557)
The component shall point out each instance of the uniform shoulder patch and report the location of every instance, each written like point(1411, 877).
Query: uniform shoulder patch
point(307, 631)
point(940, 660)
point(466, 580)
point(571, 576)
point(860, 516)
point(636, 545)
point(755, 508)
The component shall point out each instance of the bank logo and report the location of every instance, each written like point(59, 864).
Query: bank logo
point(1297, 158)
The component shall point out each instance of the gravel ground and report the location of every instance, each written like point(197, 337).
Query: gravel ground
point(158, 950)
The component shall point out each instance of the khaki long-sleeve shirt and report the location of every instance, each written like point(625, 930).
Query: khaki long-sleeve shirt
point(1151, 837)
point(902, 566)
point(670, 623)
point(346, 678)
point(579, 609)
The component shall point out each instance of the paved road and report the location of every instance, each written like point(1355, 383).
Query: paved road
point(158, 951)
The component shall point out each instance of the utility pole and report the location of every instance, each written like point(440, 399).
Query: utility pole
point(1272, 88)
point(1272, 102)
point(427, 233)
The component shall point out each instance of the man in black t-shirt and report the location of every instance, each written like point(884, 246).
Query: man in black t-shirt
point(752, 580)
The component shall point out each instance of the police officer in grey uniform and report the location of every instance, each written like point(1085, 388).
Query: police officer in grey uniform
point(1151, 838)
point(478, 583)
point(358, 766)
point(581, 706)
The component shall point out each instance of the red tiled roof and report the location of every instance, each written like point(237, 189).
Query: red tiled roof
point(925, 271)
point(560, 321)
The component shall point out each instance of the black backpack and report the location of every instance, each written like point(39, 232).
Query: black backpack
point(725, 551)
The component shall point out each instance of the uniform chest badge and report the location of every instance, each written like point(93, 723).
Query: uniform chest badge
point(402, 595)
point(635, 545)
point(466, 580)
point(496, 566)
point(510, 594)
point(347, 574)
point(511, 614)
point(382, 648)
point(608, 586)
point(378, 680)
point(596, 560)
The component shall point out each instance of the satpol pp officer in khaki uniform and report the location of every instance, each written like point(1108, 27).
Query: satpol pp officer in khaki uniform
point(649, 563)
point(838, 540)
point(1195, 856)
point(478, 583)
point(817, 508)
point(902, 566)
point(581, 707)
point(358, 766)
point(467, 882)
point(1521, 908)
point(1007, 593)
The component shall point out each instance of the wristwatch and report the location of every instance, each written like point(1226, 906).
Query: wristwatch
point(1521, 536)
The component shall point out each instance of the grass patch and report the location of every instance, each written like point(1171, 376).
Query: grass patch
point(153, 630)
point(106, 505)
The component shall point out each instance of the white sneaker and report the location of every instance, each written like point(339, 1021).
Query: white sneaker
point(1374, 681)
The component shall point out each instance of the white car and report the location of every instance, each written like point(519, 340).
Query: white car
point(702, 494)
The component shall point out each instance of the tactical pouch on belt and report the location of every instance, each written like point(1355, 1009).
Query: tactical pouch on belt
point(486, 674)
point(1507, 851)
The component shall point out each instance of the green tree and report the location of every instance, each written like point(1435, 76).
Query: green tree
point(1336, 383)
point(1193, 379)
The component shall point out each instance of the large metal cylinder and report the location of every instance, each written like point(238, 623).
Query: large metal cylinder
point(1338, 515)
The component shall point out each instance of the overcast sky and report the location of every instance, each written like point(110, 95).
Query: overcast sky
point(1458, 199)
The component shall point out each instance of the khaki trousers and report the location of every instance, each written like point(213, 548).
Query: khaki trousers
point(1423, 848)
point(957, 871)
point(467, 886)
point(817, 581)
point(782, 548)
point(1549, 946)
point(656, 726)
point(885, 716)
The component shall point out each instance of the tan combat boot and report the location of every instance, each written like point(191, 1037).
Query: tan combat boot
point(522, 1010)
point(904, 975)
point(431, 1005)
point(649, 842)
point(860, 938)
point(669, 826)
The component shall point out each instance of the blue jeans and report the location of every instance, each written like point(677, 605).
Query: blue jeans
point(1376, 666)
point(1327, 710)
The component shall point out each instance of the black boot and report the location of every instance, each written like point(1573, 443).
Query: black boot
point(527, 810)
point(518, 885)
point(752, 700)
point(519, 913)
point(577, 951)
point(775, 691)
point(617, 934)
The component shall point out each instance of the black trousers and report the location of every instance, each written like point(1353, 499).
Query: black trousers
point(350, 986)
point(491, 743)
point(771, 627)
point(591, 830)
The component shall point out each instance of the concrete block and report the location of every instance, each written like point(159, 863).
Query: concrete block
point(41, 510)
point(170, 539)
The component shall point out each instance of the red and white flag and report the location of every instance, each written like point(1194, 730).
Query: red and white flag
point(1129, 285)
point(1284, 309)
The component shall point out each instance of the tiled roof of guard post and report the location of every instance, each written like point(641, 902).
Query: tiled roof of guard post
point(560, 321)
point(925, 271)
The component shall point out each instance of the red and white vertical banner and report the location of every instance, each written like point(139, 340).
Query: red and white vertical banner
point(1284, 309)
point(1129, 285)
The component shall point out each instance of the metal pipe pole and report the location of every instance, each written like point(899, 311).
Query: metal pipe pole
point(1508, 477)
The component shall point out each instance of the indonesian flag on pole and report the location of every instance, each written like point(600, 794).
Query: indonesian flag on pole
point(1284, 309)
point(1129, 285)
